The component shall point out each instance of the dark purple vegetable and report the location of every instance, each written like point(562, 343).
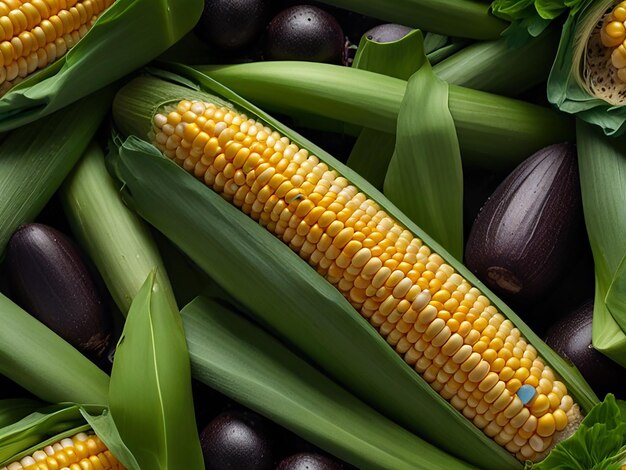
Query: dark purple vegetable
point(389, 32)
point(308, 461)
point(531, 228)
point(571, 338)
point(232, 24)
point(304, 32)
point(49, 279)
point(238, 439)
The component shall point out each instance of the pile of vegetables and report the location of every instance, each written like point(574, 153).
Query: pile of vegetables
point(189, 279)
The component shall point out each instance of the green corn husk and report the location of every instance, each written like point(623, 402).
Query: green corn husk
point(122, 39)
point(285, 293)
point(499, 68)
point(458, 18)
point(239, 359)
point(55, 422)
point(602, 163)
point(35, 159)
point(117, 241)
point(36, 358)
point(150, 393)
point(14, 409)
point(424, 176)
point(494, 132)
point(580, 73)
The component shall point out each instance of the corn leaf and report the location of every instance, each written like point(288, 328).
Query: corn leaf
point(494, 132)
point(14, 409)
point(425, 179)
point(602, 163)
point(35, 159)
point(566, 84)
point(117, 241)
point(459, 18)
point(101, 57)
point(373, 149)
point(239, 359)
point(497, 67)
point(36, 358)
point(285, 293)
point(150, 392)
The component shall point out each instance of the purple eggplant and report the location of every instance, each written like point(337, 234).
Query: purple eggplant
point(530, 230)
point(49, 279)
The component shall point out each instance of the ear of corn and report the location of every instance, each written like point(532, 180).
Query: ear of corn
point(54, 52)
point(61, 437)
point(35, 159)
point(602, 163)
point(286, 294)
point(150, 393)
point(494, 132)
point(117, 241)
point(238, 358)
point(585, 79)
point(458, 18)
point(80, 452)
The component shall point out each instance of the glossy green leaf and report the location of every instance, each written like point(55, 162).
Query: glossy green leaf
point(286, 294)
point(43, 363)
point(373, 149)
point(129, 34)
point(425, 179)
point(35, 159)
point(117, 241)
point(459, 18)
point(150, 391)
point(602, 163)
point(494, 132)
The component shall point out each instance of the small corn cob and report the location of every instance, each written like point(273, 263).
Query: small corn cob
point(443, 327)
point(35, 33)
point(81, 452)
point(613, 35)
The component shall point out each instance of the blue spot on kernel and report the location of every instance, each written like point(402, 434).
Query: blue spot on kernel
point(526, 393)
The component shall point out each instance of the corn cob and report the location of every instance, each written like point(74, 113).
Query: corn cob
point(35, 33)
point(81, 452)
point(443, 326)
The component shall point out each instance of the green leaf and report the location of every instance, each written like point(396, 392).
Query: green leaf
point(239, 359)
point(425, 177)
point(129, 34)
point(14, 409)
point(150, 391)
point(458, 18)
point(599, 442)
point(36, 158)
point(36, 358)
point(602, 164)
point(373, 149)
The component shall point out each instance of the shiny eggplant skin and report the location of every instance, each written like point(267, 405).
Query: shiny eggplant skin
point(571, 338)
point(389, 32)
point(308, 461)
point(531, 228)
point(49, 279)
